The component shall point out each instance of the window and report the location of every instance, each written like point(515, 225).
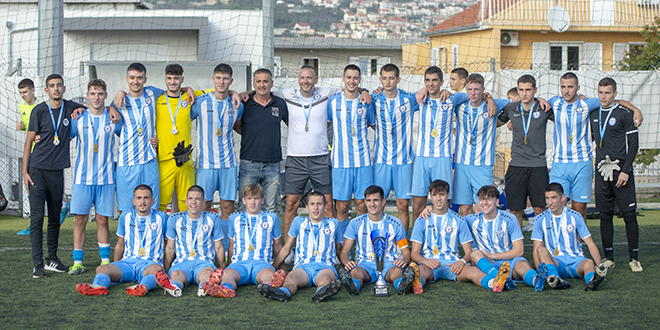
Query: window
point(313, 62)
point(369, 65)
point(374, 67)
point(454, 50)
point(565, 57)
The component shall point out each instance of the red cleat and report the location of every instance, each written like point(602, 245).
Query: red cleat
point(218, 291)
point(277, 279)
point(216, 276)
point(165, 283)
point(137, 290)
point(91, 289)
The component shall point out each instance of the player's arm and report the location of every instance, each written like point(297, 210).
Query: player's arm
point(277, 247)
point(119, 248)
point(219, 249)
point(593, 249)
point(416, 256)
point(27, 147)
point(517, 251)
point(405, 251)
point(230, 251)
point(537, 245)
point(637, 114)
point(632, 140)
point(343, 256)
point(169, 254)
point(284, 251)
point(237, 126)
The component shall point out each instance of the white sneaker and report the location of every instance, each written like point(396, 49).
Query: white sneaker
point(289, 258)
point(636, 267)
point(607, 262)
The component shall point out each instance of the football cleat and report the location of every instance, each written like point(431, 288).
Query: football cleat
point(608, 263)
point(347, 280)
point(636, 267)
point(137, 290)
point(270, 292)
point(406, 280)
point(218, 291)
point(327, 291)
point(417, 281)
point(91, 289)
point(599, 275)
point(201, 292)
point(541, 275)
point(216, 276)
point(277, 279)
point(76, 269)
point(558, 283)
point(501, 278)
point(165, 283)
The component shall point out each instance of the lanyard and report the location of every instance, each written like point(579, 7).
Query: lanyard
point(570, 116)
point(316, 234)
point(307, 112)
point(52, 118)
point(252, 233)
point(98, 131)
point(529, 118)
point(602, 127)
point(367, 228)
point(434, 231)
point(140, 111)
point(173, 117)
point(349, 110)
point(556, 225)
point(143, 237)
point(197, 230)
point(391, 112)
point(431, 104)
point(222, 112)
point(473, 120)
point(493, 235)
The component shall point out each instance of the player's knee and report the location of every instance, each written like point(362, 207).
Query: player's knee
point(177, 273)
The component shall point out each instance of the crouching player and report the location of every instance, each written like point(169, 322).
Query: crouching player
point(435, 245)
point(194, 237)
point(363, 270)
point(558, 229)
point(316, 240)
point(139, 250)
point(499, 244)
point(254, 237)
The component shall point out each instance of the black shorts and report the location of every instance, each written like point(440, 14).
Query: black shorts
point(607, 193)
point(525, 181)
point(298, 170)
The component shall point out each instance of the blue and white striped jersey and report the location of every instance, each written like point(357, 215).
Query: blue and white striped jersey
point(350, 120)
point(315, 242)
point(394, 120)
point(94, 148)
point(215, 151)
point(562, 232)
point(253, 235)
point(360, 229)
point(197, 235)
point(440, 235)
point(143, 237)
point(495, 235)
point(475, 134)
point(137, 126)
point(438, 116)
point(572, 132)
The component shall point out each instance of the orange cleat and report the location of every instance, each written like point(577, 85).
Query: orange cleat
point(277, 279)
point(91, 289)
point(137, 290)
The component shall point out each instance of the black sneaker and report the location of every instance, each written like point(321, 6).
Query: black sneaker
point(326, 291)
point(406, 281)
point(599, 275)
point(558, 283)
point(56, 266)
point(272, 292)
point(347, 280)
point(38, 271)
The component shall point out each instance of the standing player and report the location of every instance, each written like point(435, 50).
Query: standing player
point(527, 171)
point(43, 171)
point(26, 90)
point(557, 247)
point(435, 244)
point(315, 238)
point(94, 174)
point(194, 241)
point(458, 80)
point(352, 172)
point(498, 244)
point(254, 237)
point(138, 253)
point(217, 168)
point(433, 152)
point(617, 142)
point(363, 270)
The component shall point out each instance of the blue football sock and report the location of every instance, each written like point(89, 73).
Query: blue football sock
point(529, 277)
point(288, 293)
point(397, 282)
point(487, 267)
point(422, 280)
point(485, 282)
point(357, 284)
point(588, 277)
point(102, 280)
point(552, 270)
point(104, 251)
point(78, 255)
point(149, 281)
point(201, 283)
point(227, 285)
point(178, 284)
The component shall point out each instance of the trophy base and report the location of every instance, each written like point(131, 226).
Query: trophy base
point(380, 291)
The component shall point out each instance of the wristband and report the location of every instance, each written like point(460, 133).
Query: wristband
point(463, 260)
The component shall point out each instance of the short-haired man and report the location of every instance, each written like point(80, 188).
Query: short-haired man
point(527, 171)
point(512, 94)
point(362, 270)
point(261, 140)
point(138, 253)
point(498, 244)
point(94, 174)
point(435, 244)
point(458, 80)
point(254, 237)
point(43, 171)
point(316, 239)
point(557, 247)
point(352, 171)
point(194, 242)
point(26, 90)
point(617, 141)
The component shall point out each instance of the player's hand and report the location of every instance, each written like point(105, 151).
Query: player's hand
point(426, 213)
point(421, 94)
point(491, 106)
point(456, 267)
point(77, 112)
point(115, 116)
point(350, 265)
point(399, 262)
point(244, 96)
point(365, 97)
point(444, 95)
point(190, 93)
point(432, 263)
point(623, 179)
point(119, 98)
point(581, 97)
point(20, 126)
point(378, 90)
point(37, 138)
point(544, 104)
point(510, 126)
point(638, 118)
point(235, 99)
point(27, 181)
point(154, 141)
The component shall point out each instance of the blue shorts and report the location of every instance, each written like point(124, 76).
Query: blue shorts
point(575, 178)
point(428, 169)
point(512, 263)
point(224, 223)
point(313, 269)
point(248, 270)
point(398, 177)
point(568, 266)
point(468, 179)
point(224, 180)
point(129, 177)
point(102, 196)
point(132, 268)
point(443, 272)
point(370, 267)
point(191, 269)
point(347, 181)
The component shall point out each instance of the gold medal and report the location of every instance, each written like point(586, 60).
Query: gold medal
point(316, 253)
point(142, 252)
point(470, 141)
point(601, 144)
point(556, 251)
point(218, 133)
point(436, 251)
point(525, 141)
point(250, 247)
point(193, 253)
point(306, 128)
point(56, 141)
point(434, 133)
point(96, 147)
point(570, 138)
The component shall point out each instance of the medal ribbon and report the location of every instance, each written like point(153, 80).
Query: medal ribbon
point(97, 132)
point(434, 231)
point(529, 117)
point(391, 112)
point(302, 105)
point(316, 233)
point(473, 121)
point(135, 108)
point(52, 118)
point(349, 110)
point(197, 230)
point(434, 112)
point(143, 237)
point(173, 117)
point(602, 125)
point(570, 116)
point(224, 107)
point(555, 228)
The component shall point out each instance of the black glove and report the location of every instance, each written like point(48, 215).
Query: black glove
point(182, 154)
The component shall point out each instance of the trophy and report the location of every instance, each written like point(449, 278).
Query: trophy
point(379, 238)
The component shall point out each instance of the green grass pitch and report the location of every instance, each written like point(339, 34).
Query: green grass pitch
point(624, 301)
